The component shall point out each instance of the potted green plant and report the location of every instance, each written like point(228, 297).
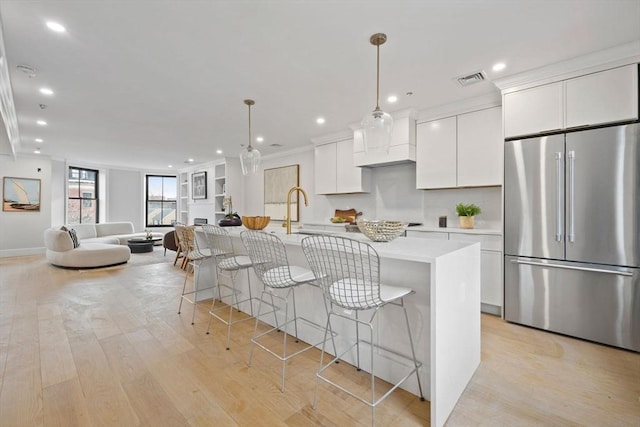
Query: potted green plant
point(466, 214)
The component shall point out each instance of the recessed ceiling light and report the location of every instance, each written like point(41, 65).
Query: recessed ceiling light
point(259, 139)
point(218, 151)
point(38, 140)
point(392, 99)
point(41, 122)
point(46, 91)
point(36, 151)
point(54, 26)
point(320, 120)
point(169, 166)
point(499, 66)
point(189, 161)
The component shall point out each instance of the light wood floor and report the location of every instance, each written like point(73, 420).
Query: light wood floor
point(107, 348)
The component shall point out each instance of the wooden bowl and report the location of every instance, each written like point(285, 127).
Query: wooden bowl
point(256, 222)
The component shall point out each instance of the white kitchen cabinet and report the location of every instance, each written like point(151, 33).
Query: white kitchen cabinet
point(335, 172)
point(436, 153)
point(480, 148)
point(605, 97)
point(535, 110)
point(460, 151)
point(490, 263)
point(491, 281)
point(325, 169)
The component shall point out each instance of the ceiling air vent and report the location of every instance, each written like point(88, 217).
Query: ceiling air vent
point(472, 78)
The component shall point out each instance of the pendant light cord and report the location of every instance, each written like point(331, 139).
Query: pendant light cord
point(378, 77)
point(250, 148)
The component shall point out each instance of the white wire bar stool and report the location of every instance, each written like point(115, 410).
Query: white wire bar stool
point(195, 256)
point(228, 265)
point(269, 257)
point(349, 271)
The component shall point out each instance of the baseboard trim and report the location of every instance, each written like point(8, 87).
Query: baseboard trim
point(491, 309)
point(8, 253)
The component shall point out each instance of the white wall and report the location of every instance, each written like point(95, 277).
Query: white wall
point(125, 197)
point(22, 233)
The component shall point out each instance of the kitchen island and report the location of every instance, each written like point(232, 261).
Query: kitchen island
point(444, 312)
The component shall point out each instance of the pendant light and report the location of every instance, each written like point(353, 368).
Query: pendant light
point(249, 157)
point(377, 125)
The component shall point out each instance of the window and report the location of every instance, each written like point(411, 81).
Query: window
point(82, 202)
point(161, 200)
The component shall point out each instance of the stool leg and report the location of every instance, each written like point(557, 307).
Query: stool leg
point(358, 342)
point(255, 328)
point(413, 351)
point(373, 382)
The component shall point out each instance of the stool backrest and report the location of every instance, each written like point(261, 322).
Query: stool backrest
point(218, 240)
point(349, 270)
point(269, 258)
point(188, 243)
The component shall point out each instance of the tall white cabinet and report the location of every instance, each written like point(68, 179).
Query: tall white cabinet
point(334, 170)
point(460, 151)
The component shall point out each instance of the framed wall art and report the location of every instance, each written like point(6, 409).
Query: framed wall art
point(199, 185)
point(20, 194)
point(277, 182)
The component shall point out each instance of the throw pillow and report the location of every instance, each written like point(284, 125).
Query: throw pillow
point(74, 238)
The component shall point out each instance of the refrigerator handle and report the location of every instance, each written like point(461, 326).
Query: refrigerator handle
point(571, 267)
point(571, 155)
point(559, 195)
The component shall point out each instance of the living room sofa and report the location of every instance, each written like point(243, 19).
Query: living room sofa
point(62, 253)
point(109, 232)
point(100, 245)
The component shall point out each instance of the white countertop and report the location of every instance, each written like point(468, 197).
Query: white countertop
point(490, 231)
point(403, 248)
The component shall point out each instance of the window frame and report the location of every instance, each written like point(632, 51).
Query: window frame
point(83, 202)
point(162, 201)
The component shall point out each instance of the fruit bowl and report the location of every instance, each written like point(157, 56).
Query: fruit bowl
point(381, 230)
point(256, 222)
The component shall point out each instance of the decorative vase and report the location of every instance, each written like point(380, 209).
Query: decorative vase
point(467, 221)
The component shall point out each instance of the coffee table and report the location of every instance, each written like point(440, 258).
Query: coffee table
point(141, 245)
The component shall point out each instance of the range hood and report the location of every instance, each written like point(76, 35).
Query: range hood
point(403, 143)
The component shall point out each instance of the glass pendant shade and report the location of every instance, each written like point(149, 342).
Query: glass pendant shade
point(249, 156)
point(249, 160)
point(376, 131)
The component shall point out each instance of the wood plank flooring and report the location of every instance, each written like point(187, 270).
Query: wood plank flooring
point(106, 347)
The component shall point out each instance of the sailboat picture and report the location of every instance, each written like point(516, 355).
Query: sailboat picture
point(21, 194)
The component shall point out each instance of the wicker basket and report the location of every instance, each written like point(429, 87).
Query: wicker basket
point(381, 230)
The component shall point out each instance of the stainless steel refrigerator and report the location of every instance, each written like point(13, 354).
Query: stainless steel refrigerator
point(572, 234)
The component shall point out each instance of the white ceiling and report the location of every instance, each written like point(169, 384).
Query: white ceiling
point(148, 83)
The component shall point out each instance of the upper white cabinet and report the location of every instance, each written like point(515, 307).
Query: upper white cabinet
point(460, 151)
point(335, 172)
point(480, 148)
point(535, 110)
point(605, 97)
point(436, 151)
point(610, 96)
